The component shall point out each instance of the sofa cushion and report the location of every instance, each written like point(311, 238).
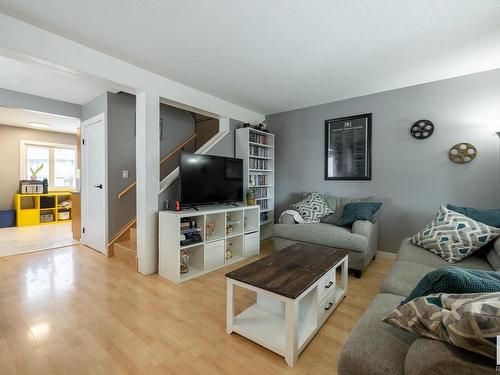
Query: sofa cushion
point(445, 359)
point(374, 347)
point(454, 236)
point(323, 234)
point(403, 276)
point(469, 321)
point(493, 256)
point(415, 254)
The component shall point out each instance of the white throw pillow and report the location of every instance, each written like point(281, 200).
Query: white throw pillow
point(454, 236)
point(312, 208)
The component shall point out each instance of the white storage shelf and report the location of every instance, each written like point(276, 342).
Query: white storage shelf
point(258, 163)
point(210, 253)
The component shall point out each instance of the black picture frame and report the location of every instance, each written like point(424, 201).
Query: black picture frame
point(350, 138)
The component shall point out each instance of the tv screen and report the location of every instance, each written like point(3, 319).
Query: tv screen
point(206, 179)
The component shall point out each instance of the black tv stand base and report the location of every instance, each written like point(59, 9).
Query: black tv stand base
point(232, 204)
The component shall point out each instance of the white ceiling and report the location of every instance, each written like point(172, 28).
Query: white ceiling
point(272, 56)
point(48, 82)
point(22, 117)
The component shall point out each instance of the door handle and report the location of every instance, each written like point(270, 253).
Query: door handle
point(98, 186)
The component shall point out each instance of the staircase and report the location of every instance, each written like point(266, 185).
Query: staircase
point(124, 244)
point(126, 247)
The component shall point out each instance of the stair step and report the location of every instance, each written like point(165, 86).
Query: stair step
point(126, 250)
point(133, 235)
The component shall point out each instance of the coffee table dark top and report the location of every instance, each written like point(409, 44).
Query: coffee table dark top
point(291, 271)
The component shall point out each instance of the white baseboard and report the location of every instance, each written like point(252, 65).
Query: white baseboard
point(385, 254)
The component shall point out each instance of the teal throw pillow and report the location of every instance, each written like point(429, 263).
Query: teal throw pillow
point(489, 216)
point(456, 280)
point(358, 211)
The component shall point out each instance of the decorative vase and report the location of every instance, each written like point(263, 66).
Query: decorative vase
point(33, 178)
point(185, 256)
point(250, 198)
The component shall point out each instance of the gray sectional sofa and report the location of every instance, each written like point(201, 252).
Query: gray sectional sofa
point(360, 240)
point(376, 348)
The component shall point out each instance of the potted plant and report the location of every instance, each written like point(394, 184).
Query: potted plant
point(251, 196)
point(35, 171)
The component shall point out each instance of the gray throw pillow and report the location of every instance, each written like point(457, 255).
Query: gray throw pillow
point(454, 236)
point(312, 208)
point(469, 321)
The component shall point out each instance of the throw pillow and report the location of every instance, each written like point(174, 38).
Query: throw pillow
point(454, 236)
point(358, 211)
point(312, 208)
point(469, 321)
point(489, 217)
point(455, 280)
point(337, 204)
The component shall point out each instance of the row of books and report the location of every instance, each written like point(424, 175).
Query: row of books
point(261, 192)
point(258, 164)
point(263, 205)
point(258, 138)
point(258, 179)
point(259, 151)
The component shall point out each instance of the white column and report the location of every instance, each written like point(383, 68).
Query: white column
point(148, 179)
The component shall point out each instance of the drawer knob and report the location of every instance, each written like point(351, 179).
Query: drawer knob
point(329, 285)
point(329, 306)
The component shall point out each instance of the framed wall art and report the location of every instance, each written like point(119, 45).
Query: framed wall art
point(348, 148)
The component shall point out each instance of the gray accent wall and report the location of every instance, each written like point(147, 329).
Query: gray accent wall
point(411, 177)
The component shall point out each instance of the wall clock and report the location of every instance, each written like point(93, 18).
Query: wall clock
point(462, 153)
point(422, 129)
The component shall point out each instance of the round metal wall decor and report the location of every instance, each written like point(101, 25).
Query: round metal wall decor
point(462, 153)
point(422, 129)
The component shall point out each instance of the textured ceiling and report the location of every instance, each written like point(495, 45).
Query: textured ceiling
point(272, 56)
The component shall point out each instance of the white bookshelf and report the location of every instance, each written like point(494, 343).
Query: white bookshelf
point(256, 148)
point(210, 253)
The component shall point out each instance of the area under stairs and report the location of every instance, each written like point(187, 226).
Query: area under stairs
point(126, 247)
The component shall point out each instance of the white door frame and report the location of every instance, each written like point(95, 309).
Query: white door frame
point(83, 182)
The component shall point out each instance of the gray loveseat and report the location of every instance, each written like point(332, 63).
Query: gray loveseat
point(375, 347)
point(361, 241)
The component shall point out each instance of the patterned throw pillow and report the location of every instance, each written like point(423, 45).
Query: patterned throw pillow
point(312, 208)
point(469, 321)
point(454, 236)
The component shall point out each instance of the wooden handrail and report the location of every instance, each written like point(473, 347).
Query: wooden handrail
point(178, 148)
point(170, 154)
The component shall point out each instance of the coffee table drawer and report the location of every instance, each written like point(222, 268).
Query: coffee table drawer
point(326, 306)
point(326, 284)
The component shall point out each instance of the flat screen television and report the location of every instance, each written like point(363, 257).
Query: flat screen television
point(207, 179)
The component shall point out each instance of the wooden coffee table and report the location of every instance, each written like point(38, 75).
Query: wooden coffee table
point(297, 290)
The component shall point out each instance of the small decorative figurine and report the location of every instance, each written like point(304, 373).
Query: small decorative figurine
point(229, 230)
point(229, 250)
point(209, 231)
point(185, 260)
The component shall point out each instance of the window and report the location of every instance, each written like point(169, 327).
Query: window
point(57, 163)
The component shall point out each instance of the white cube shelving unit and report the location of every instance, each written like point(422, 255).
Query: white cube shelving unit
point(210, 253)
point(256, 148)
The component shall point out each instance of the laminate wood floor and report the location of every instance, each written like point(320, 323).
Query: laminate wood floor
point(74, 311)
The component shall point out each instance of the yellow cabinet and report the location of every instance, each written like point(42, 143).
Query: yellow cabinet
point(35, 209)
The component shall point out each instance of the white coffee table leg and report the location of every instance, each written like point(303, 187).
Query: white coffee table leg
point(343, 281)
point(229, 307)
point(291, 334)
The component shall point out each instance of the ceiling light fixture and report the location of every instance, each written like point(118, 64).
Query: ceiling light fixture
point(38, 125)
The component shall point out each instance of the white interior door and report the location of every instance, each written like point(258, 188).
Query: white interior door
point(94, 189)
